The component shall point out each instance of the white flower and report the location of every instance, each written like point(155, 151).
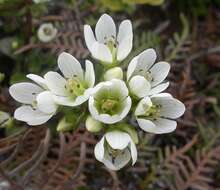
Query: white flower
point(146, 78)
point(110, 102)
point(106, 45)
point(114, 73)
point(115, 150)
point(77, 85)
point(156, 114)
point(46, 32)
point(38, 106)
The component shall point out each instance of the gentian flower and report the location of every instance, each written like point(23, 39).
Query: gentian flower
point(110, 102)
point(146, 78)
point(157, 114)
point(115, 150)
point(76, 86)
point(38, 106)
point(106, 45)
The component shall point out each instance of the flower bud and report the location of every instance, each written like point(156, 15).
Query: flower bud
point(2, 76)
point(64, 126)
point(93, 125)
point(114, 73)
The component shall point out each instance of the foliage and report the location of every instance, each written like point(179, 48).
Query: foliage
point(197, 7)
point(38, 158)
point(118, 5)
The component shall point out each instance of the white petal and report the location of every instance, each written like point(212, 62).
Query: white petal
point(38, 79)
point(139, 86)
point(108, 119)
point(119, 162)
point(159, 126)
point(159, 88)
point(70, 66)
point(39, 119)
point(45, 102)
point(125, 30)
point(142, 106)
point(101, 52)
point(64, 100)
point(81, 99)
point(107, 160)
point(99, 150)
point(162, 95)
point(145, 60)
point(171, 107)
point(146, 125)
point(89, 37)
point(68, 101)
point(24, 92)
point(133, 152)
point(125, 39)
point(159, 72)
point(165, 125)
point(90, 74)
point(105, 28)
point(56, 83)
point(127, 106)
point(118, 85)
point(118, 140)
point(32, 117)
point(131, 67)
point(43, 36)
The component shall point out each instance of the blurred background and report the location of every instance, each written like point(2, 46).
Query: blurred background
point(185, 33)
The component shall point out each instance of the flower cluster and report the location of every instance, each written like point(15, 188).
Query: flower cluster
point(114, 102)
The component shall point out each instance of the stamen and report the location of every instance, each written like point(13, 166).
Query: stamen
point(152, 112)
point(74, 87)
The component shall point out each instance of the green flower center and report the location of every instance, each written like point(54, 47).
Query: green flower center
point(74, 87)
point(109, 106)
point(153, 112)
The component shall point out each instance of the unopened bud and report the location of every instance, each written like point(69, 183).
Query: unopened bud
point(114, 73)
point(64, 126)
